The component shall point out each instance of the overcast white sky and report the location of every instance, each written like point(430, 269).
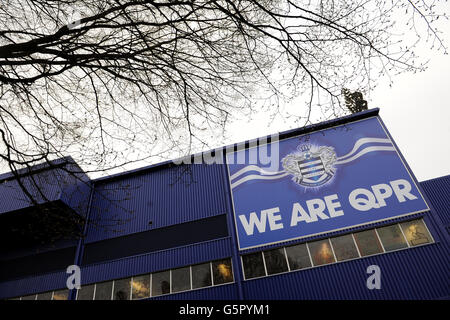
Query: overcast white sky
point(416, 111)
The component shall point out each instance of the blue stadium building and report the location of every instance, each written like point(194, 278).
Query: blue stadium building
point(329, 211)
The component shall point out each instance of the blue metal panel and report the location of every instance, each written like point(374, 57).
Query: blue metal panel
point(32, 285)
point(13, 198)
point(417, 273)
point(165, 197)
point(156, 261)
point(55, 184)
point(222, 292)
point(237, 267)
point(438, 192)
point(76, 195)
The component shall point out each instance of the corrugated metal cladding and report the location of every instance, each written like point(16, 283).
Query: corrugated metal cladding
point(13, 198)
point(55, 184)
point(222, 292)
point(438, 192)
point(161, 197)
point(156, 261)
point(32, 285)
point(417, 273)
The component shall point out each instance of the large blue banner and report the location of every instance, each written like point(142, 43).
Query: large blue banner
point(325, 181)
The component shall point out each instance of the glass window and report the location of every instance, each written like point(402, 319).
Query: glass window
point(298, 257)
point(122, 289)
point(275, 261)
point(368, 243)
point(416, 232)
point(45, 296)
point(253, 265)
point(321, 252)
point(160, 283)
point(141, 287)
point(86, 292)
point(344, 247)
point(181, 279)
point(201, 275)
point(61, 294)
point(103, 291)
point(32, 297)
point(392, 237)
point(222, 271)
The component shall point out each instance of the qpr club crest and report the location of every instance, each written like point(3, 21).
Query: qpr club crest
point(311, 166)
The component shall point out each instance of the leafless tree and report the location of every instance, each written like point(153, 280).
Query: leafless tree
point(114, 81)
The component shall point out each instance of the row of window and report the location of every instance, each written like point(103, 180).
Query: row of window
point(152, 284)
point(331, 250)
point(259, 264)
point(62, 294)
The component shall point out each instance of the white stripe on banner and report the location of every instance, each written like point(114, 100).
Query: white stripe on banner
point(362, 141)
point(364, 151)
point(256, 177)
point(253, 168)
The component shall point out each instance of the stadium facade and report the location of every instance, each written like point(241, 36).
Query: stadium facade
point(329, 211)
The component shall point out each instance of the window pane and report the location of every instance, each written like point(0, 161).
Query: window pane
point(253, 265)
point(45, 296)
point(392, 238)
point(61, 294)
point(103, 290)
point(201, 275)
point(141, 287)
point(122, 289)
point(32, 297)
point(86, 292)
point(160, 283)
point(368, 243)
point(181, 279)
point(344, 247)
point(298, 257)
point(275, 261)
point(416, 232)
point(222, 271)
point(321, 252)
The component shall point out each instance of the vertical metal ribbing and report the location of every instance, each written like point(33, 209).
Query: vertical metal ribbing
point(80, 245)
point(237, 267)
point(287, 260)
